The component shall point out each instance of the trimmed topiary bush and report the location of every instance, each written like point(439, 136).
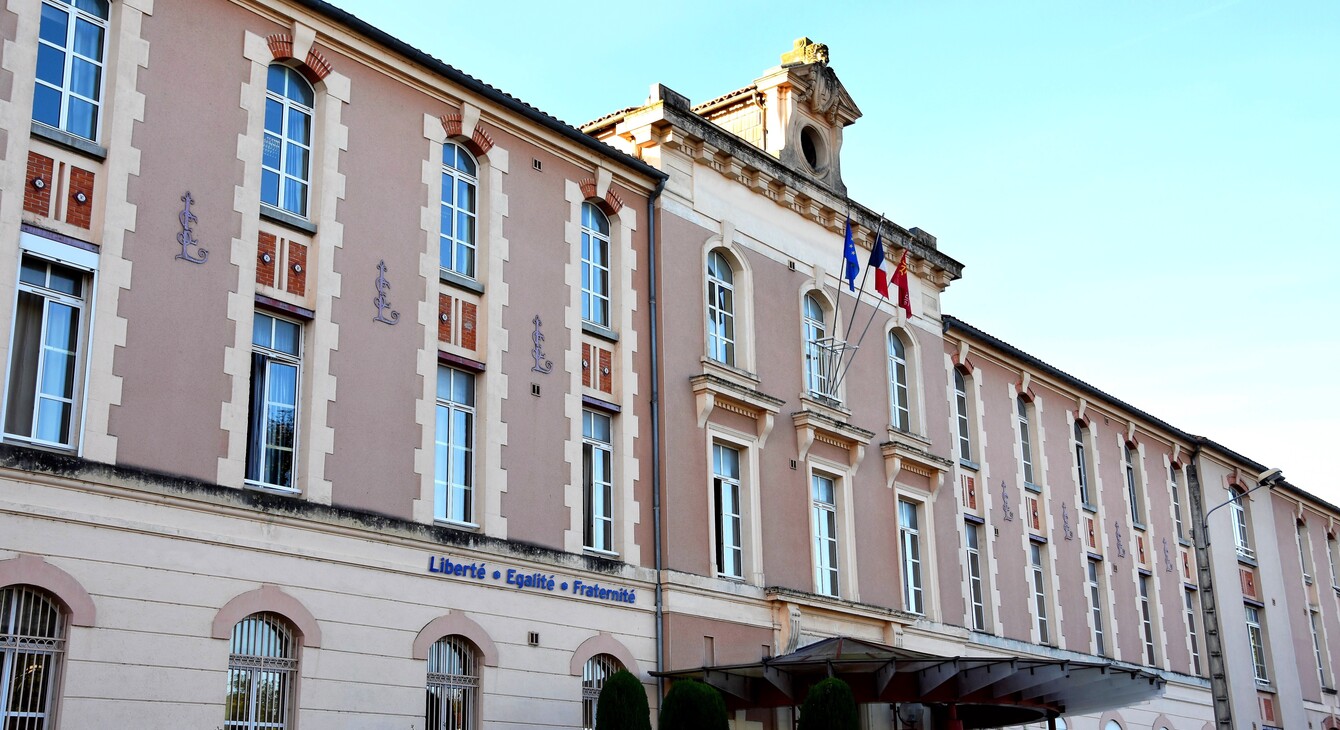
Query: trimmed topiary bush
point(829, 705)
point(622, 704)
point(692, 705)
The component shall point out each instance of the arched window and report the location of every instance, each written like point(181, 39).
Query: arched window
point(598, 668)
point(720, 309)
point(1025, 438)
point(1112, 725)
point(1240, 535)
point(1082, 464)
point(71, 41)
point(262, 666)
point(595, 266)
point(900, 408)
point(453, 684)
point(286, 162)
point(1133, 487)
point(460, 186)
point(961, 416)
point(818, 376)
point(32, 645)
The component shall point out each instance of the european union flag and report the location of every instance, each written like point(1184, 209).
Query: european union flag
point(851, 263)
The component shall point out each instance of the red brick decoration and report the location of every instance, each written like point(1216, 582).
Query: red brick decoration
point(1034, 518)
point(613, 200)
point(586, 365)
point(1027, 394)
point(482, 141)
point(281, 46)
point(468, 322)
point(267, 259)
point(1093, 539)
point(606, 374)
point(1268, 709)
point(969, 492)
point(1248, 582)
point(1140, 548)
point(297, 269)
point(443, 318)
point(38, 200)
point(451, 124)
point(81, 186)
point(317, 65)
point(1186, 565)
point(588, 187)
point(964, 367)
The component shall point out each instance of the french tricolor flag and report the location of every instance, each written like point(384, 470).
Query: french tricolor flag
point(880, 266)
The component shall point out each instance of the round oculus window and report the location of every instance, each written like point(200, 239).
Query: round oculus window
point(812, 147)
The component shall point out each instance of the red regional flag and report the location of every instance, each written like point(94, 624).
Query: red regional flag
point(900, 281)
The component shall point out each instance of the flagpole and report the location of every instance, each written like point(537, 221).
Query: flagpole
point(830, 368)
point(878, 303)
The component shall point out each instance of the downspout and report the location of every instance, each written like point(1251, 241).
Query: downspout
point(1214, 645)
point(656, 431)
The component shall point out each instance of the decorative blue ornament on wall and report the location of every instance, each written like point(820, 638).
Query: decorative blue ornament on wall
point(187, 236)
point(542, 362)
point(381, 302)
point(1121, 540)
point(1065, 522)
point(1005, 502)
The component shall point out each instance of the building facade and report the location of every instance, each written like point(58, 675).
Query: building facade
point(345, 390)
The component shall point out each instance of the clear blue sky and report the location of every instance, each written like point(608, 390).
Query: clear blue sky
point(1146, 194)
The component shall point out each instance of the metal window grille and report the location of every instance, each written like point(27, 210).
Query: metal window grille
point(32, 643)
point(262, 666)
point(598, 668)
point(453, 684)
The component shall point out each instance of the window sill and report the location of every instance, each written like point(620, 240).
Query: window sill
point(825, 405)
point(69, 141)
point(729, 372)
point(41, 445)
point(285, 218)
point(597, 552)
point(969, 464)
point(464, 526)
point(1136, 525)
point(1030, 486)
point(1328, 690)
point(1245, 560)
point(271, 488)
point(604, 333)
point(460, 281)
point(1184, 542)
point(895, 432)
point(1091, 509)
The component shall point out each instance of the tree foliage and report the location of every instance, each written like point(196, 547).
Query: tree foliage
point(623, 704)
point(829, 705)
point(692, 705)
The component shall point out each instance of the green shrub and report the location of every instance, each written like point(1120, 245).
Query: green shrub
point(829, 705)
point(622, 704)
point(692, 705)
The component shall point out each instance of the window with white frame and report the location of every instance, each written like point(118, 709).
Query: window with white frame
point(262, 669)
point(1147, 622)
point(32, 651)
point(1038, 576)
point(1333, 550)
point(1133, 487)
point(595, 266)
point(71, 42)
point(976, 591)
point(1191, 612)
point(818, 351)
point(900, 403)
point(460, 192)
point(720, 309)
point(46, 361)
point(1023, 409)
point(1304, 549)
point(1174, 488)
point(823, 506)
point(1095, 586)
point(286, 162)
point(1241, 536)
point(909, 541)
point(1256, 638)
point(961, 417)
point(594, 673)
point(729, 522)
point(1082, 463)
point(453, 479)
point(1318, 641)
point(276, 363)
point(597, 482)
point(453, 684)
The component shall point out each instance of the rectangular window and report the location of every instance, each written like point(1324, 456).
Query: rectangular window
point(1174, 488)
point(1304, 550)
point(1025, 440)
point(1317, 644)
point(276, 359)
point(1191, 629)
point(1147, 622)
point(729, 520)
point(1082, 465)
point(824, 504)
point(1096, 606)
point(909, 539)
point(1257, 639)
point(961, 416)
point(45, 381)
point(1133, 489)
point(975, 590)
point(71, 40)
point(1035, 554)
point(597, 482)
point(455, 446)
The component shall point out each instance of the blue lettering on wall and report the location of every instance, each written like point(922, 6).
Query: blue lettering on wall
point(537, 581)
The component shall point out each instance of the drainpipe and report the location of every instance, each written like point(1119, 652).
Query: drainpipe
point(1214, 644)
point(656, 431)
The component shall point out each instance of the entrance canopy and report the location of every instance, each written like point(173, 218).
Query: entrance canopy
point(983, 692)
